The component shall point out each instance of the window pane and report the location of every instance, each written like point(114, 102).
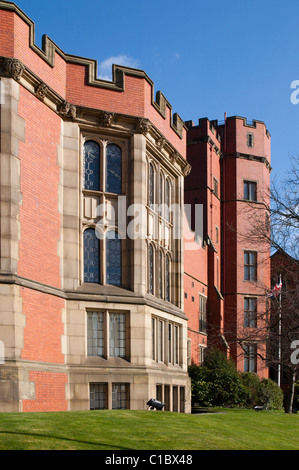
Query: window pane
point(246, 190)
point(250, 266)
point(97, 394)
point(250, 190)
point(91, 168)
point(151, 185)
point(167, 200)
point(119, 396)
point(151, 269)
point(252, 193)
point(95, 334)
point(117, 334)
point(91, 256)
point(167, 279)
point(169, 343)
point(113, 169)
point(160, 274)
point(176, 345)
point(153, 338)
point(113, 258)
point(160, 341)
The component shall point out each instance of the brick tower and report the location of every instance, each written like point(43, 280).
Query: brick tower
point(230, 177)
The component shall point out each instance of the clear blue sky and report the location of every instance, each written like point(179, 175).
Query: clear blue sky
point(207, 57)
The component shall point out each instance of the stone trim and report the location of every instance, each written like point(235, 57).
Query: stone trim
point(108, 294)
point(247, 156)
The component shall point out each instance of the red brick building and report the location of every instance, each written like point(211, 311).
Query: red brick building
point(91, 318)
point(227, 276)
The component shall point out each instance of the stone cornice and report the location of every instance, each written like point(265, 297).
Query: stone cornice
point(49, 49)
point(246, 156)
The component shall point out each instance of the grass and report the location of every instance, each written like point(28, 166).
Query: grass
point(146, 430)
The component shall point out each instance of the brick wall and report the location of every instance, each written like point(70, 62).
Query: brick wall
point(49, 392)
point(39, 217)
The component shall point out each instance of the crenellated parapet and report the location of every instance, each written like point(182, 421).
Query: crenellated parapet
point(69, 67)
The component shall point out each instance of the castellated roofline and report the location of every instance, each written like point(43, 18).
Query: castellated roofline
point(50, 48)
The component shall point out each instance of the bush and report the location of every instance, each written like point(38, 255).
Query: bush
point(251, 382)
point(270, 395)
point(218, 383)
point(296, 396)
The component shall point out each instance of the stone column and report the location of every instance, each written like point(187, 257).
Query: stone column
point(12, 131)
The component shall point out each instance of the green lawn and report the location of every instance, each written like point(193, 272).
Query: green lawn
point(149, 430)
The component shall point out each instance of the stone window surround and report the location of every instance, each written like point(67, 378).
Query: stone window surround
point(168, 348)
point(106, 335)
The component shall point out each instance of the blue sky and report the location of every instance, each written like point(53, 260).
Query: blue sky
point(207, 57)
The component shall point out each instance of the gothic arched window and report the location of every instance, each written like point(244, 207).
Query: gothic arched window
point(91, 167)
point(113, 169)
point(91, 257)
point(113, 258)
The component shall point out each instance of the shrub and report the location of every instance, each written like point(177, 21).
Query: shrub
point(217, 382)
point(296, 396)
point(270, 395)
point(251, 382)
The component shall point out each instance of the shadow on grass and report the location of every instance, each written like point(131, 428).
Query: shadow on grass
point(96, 444)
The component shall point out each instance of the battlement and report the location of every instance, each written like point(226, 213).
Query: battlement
point(75, 79)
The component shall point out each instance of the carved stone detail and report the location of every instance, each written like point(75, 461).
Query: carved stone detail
point(174, 157)
point(41, 90)
point(161, 143)
point(106, 119)
point(187, 170)
point(14, 68)
point(143, 126)
point(68, 110)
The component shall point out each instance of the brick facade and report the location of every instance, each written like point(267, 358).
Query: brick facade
point(223, 160)
point(176, 296)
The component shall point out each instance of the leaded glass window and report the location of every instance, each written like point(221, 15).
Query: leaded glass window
point(151, 185)
point(91, 257)
point(97, 395)
point(113, 258)
point(117, 335)
point(91, 168)
point(113, 169)
point(119, 396)
point(95, 333)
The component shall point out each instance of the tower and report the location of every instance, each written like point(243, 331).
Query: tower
point(230, 179)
